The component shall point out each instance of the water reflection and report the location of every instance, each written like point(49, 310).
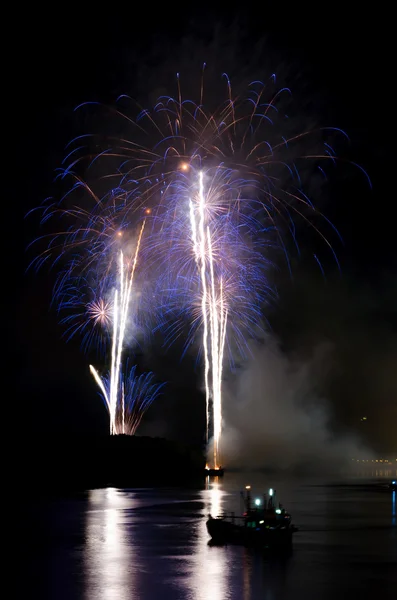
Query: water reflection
point(378, 473)
point(222, 572)
point(210, 568)
point(247, 574)
point(108, 555)
point(153, 543)
point(214, 496)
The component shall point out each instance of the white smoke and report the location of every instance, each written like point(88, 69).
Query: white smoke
point(275, 417)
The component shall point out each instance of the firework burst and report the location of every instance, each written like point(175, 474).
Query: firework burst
point(136, 394)
point(217, 189)
point(85, 305)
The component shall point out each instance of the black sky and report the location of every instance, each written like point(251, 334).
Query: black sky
point(340, 67)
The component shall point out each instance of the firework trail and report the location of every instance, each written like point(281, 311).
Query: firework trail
point(213, 302)
point(136, 395)
point(120, 316)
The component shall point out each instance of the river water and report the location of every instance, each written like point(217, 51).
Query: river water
point(110, 544)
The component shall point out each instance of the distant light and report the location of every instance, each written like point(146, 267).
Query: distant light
point(278, 511)
point(247, 487)
point(257, 502)
point(184, 166)
point(271, 492)
point(261, 522)
point(394, 482)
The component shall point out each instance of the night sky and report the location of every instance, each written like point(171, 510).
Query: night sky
point(340, 69)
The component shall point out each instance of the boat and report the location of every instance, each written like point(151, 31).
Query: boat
point(264, 524)
point(214, 472)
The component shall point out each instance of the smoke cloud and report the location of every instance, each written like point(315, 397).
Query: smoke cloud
point(276, 417)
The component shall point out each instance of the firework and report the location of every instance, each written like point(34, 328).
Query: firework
point(122, 298)
point(99, 312)
point(138, 174)
point(218, 189)
point(136, 394)
point(212, 301)
point(86, 307)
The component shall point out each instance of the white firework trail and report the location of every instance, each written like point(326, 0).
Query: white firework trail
point(120, 316)
point(214, 315)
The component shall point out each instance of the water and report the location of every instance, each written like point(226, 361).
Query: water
point(132, 544)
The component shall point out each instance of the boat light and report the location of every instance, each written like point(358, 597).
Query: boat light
point(257, 502)
point(271, 492)
point(393, 482)
point(278, 511)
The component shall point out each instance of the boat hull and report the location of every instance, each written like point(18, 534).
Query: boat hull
point(226, 532)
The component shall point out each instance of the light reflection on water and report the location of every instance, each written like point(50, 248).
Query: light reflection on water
point(108, 556)
point(139, 544)
point(210, 564)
